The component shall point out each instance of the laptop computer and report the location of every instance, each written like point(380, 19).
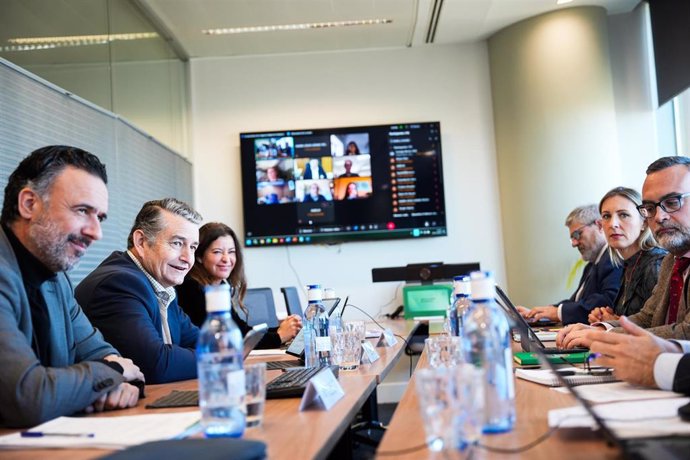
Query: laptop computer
point(652, 448)
point(528, 338)
point(253, 337)
point(296, 347)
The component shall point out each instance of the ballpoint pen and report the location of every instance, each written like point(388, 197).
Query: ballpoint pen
point(42, 434)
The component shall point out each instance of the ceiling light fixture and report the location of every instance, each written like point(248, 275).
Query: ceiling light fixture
point(41, 43)
point(285, 27)
point(563, 2)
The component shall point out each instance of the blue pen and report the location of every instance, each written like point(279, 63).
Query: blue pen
point(42, 434)
point(593, 356)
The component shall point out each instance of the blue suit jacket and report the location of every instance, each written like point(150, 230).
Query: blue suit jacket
point(31, 393)
point(601, 283)
point(119, 300)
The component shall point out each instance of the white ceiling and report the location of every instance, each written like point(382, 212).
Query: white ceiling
point(180, 22)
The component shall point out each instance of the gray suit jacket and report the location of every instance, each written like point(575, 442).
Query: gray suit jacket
point(29, 392)
point(653, 313)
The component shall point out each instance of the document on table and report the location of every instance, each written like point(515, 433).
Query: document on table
point(618, 391)
point(267, 352)
point(108, 432)
point(629, 419)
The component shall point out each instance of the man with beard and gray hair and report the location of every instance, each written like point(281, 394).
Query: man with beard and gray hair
point(53, 361)
point(600, 279)
point(666, 313)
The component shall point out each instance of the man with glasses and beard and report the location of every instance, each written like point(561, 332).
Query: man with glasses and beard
point(53, 361)
point(600, 279)
point(664, 205)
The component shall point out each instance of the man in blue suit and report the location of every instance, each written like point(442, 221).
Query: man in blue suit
point(131, 298)
point(600, 279)
point(53, 361)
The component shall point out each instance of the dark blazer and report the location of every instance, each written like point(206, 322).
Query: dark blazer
point(29, 392)
point(681, 381)
point(119, 299)
point(308, 173)
point(601, 282)
point(190, 296)
point(640, 274)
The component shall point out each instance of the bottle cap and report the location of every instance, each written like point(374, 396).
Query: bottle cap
point(314, 293)
point(462, 285)
point(482, 285)
point(217, 298)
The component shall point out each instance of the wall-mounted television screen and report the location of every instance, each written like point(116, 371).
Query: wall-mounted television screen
point(314, 186)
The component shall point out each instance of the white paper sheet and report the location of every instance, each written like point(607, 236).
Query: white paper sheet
point(108, 432)
point(267, 352)
point(629, 419)
point(618, 391)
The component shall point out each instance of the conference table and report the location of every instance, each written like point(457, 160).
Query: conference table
point(287, 432)
point(404, 438)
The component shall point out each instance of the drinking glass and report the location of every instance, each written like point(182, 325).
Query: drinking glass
point(346, 348)
point(444, 350)
point(255, 397)
point(451, 402)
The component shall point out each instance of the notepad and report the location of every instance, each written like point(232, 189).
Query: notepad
point(547, 377)
point(526, 358)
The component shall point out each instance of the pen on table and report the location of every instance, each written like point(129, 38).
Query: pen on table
point(42, 434)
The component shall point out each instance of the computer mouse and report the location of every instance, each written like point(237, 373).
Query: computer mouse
point(684, 412)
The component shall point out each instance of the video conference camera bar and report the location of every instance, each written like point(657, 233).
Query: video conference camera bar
point(425, 273)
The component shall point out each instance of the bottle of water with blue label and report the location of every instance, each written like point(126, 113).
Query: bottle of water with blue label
point(461, 303)
point(219, 366)
point(317, 345)
point(486, 343)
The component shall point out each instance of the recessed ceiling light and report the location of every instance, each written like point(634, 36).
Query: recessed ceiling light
point(562, 2)
point(40, 43)
point(306, 26)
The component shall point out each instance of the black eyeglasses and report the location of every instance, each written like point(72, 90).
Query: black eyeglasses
point(669, 204)
point(578, 233)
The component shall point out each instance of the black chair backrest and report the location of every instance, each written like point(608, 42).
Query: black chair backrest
point(261, 307)
point(292, 301)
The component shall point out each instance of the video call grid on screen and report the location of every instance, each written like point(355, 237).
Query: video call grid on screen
point(339, 184)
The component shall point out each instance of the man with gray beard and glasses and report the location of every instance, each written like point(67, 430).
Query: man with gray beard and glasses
point(664, 205)
point(600, 278)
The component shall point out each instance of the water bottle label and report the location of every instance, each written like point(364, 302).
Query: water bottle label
point(511, 379)
point(323, 344)
point(235, 380)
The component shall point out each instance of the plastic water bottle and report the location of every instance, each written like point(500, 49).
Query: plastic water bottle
point(486, 342)
point(460, 305)
point(219, 365)
point(317, 345)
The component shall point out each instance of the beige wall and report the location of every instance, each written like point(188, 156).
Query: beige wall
point(556, 140)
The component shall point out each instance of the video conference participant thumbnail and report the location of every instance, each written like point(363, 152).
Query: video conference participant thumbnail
point(349, 144)
point(273, 147)
point(352, 188)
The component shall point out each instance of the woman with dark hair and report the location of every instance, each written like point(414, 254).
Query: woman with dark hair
point(352, 148)
point(351, 191)
point(631, 245)
point(218, 259)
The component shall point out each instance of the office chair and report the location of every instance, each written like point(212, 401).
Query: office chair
point(292, 301)
point(261, 307)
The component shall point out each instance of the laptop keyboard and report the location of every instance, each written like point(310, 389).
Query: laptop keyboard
point(176, 399)
point(292, 383)
point(289, 384)
point(563, 351)
point(277, 365)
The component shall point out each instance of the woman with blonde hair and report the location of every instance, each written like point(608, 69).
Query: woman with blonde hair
point(632, 245)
